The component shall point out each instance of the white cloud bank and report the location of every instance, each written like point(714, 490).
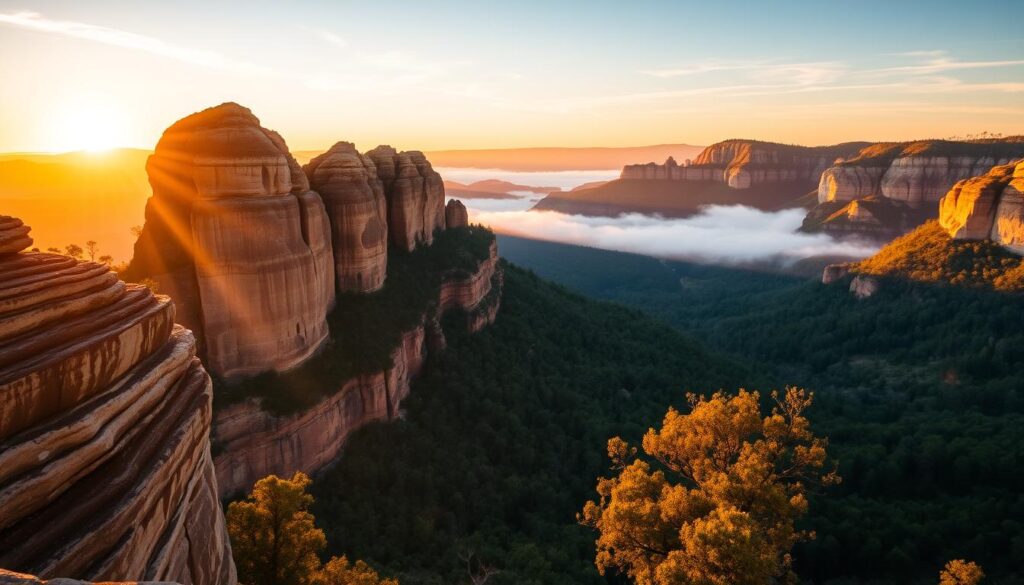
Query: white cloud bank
point(732, 234)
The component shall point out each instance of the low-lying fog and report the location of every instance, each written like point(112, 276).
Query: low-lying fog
point(726, 234)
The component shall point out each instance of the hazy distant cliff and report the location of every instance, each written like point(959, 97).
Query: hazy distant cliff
point(105, 413)
point(765, 175)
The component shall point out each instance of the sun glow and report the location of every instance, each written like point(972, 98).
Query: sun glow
point(91, 123)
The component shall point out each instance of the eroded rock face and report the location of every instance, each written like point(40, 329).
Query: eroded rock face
point(354, 197)
point(257, 443)
point(918, 173)
point(236, 237)
point(742, 164)
point(988, 206)
point(414, 193)
point(105, 413)
point(455, 214)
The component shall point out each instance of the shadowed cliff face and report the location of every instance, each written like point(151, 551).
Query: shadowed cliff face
point(236, 237)
point(105, 414)
point(415, 196)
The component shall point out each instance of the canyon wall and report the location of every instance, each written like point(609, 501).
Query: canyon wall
point(234, 234)
point(254, 443)
point(105, 412)
point(989, 206)
point(918, 173)
point(741, 164)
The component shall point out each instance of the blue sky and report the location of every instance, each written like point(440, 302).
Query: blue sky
point(494, 74)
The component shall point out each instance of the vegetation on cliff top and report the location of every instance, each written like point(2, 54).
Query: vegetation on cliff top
point(883, 153)
point(929, 254)
point(366, 328)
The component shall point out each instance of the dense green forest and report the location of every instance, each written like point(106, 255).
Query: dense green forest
point(920, 388)
point(504, 436)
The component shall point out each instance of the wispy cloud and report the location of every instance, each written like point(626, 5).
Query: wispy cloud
point(334, 39)
point(128, 40)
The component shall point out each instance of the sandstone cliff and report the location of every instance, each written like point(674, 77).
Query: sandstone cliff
point(414, 193)
point(236, 237)
point(989, 206)
point(12, 578)
point(915, 172)
point(105, 413)
point(254, 442)
point(354, 196)
point(455, 214)
point(742, 164)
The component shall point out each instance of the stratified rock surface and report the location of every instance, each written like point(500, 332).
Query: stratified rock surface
point(354, 197)
point(236, 237)
point(455, 214)
point(13, 235)
point(742, 164)
point(255, 443)
point(989, 206)
point(12, 578)
point(105, 411)
point(414, 193)
point(915, 172)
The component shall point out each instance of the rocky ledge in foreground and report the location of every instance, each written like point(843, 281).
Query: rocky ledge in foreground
point(259, 435)
point(105, 412)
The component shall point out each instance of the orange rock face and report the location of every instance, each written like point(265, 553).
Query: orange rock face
point(455, 214)
point(257, 443)
point(105, 413)
point(989, 206)
point(414, 193)
point(236, 237)
point(354, 197)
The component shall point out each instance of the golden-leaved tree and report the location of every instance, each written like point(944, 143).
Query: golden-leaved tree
point(961, 572)
point(275, 541)
point(715, 499)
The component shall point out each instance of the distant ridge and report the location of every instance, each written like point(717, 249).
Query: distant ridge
point(560, 158)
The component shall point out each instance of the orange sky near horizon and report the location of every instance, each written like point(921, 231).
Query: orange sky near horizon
point(113, 74)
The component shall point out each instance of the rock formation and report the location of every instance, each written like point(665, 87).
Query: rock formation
point(455, 214)
point(236, 237)
point(414, 193)
point(105, 413)
point(989, 206)
point(13, 235)
point(742, 164)
point(354, 197)
point(915, 172)
point(255, 443)
point(12, 578)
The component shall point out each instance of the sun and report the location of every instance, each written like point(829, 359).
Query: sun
point(89, 122)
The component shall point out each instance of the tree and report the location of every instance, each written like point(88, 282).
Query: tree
point(716, 498)
point(275, 541)
point(73, 250)
point(338, 571)
point(273, 536)
point(92, 248)
point(54, 250)
point(961, 572)
point(107, 259)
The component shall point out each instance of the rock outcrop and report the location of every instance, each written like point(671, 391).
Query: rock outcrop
point(455, 214)
point(742, 164)
point(988, 206)
point(414, 193)
point(254, 443)
point(12, 578)
point(13, 235)
point(236, 237)
point(915, 172)
point(354, 197)
point(105, 412)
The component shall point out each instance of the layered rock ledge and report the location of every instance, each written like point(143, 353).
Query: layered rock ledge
point(105, 412)
point(989, 206)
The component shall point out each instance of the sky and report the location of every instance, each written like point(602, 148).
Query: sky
point(439, 75)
